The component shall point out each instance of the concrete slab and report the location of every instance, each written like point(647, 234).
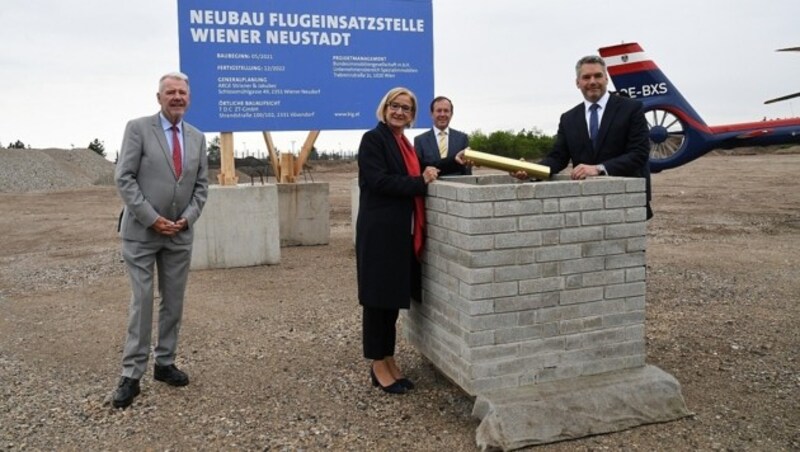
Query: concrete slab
point(559, 410)
point(238, 228)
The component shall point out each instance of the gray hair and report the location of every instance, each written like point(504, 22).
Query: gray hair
point(172, 75)
point(590, 59)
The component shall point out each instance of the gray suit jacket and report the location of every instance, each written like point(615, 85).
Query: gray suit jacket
point(147, 184)
point(427, 147)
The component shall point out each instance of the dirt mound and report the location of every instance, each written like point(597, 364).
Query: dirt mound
point(25, 170)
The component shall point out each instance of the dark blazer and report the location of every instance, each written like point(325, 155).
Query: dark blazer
point(623, 143)
point(385, 262)
point(427, 147)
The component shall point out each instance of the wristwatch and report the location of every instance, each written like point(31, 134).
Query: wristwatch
point(601, 169)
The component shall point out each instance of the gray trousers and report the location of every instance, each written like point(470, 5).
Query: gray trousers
point(172, 261)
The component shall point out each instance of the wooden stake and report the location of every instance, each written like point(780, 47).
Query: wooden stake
point(227, 170)
point(273, 155)
point(287, 162)
point(305, 151)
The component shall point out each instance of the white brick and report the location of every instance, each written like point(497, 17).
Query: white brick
point(603, 185)
point(518, 240)
point(541, 285)
point(526, 303)
point(585, 265)
point(485, 225)
point(626, 230)
point(580, 204)
point(518, 207)
point(485, 291)
point(517, 272)
point(581, 295)
point(585, 234)
point(625, 290)
point(602, 217)
point(625, 200)
point(470, 209)
point(558, 253)
point(539, 222)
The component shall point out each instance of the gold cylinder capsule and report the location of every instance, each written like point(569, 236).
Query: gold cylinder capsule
point(506, 164)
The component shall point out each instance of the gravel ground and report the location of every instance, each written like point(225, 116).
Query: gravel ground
point(274, 352)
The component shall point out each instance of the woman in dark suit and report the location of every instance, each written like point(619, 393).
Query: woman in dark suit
point(389, 232)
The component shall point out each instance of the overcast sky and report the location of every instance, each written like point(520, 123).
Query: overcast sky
point(72, 71)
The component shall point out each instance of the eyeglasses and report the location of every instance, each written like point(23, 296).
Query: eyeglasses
point(395, 106)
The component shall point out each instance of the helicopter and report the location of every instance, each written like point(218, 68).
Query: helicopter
point(678, 134)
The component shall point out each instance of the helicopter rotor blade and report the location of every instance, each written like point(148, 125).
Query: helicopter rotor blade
point(778, 99)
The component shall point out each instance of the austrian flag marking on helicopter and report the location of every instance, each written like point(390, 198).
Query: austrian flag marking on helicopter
point(626, 58)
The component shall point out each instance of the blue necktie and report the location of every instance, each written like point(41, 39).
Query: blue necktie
point(593, 126)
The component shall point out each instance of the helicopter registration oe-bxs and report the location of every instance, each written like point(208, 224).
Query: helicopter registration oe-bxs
point(678, 134)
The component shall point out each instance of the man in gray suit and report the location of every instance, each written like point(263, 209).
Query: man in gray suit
point(162, 177)
point(442, 141)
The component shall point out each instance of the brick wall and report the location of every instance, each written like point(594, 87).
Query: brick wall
point(531, 282)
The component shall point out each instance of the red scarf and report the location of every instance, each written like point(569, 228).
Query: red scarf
point(412, 166)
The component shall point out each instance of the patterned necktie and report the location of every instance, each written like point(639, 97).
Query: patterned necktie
point(176, 152)
point(593, 124)
point(442, 144)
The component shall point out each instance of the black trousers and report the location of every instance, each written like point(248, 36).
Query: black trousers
point(379, 332)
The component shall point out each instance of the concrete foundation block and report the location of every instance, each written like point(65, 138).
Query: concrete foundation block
point(559, 410)
point(533, 300)
point(238, 228)
point(304, 214)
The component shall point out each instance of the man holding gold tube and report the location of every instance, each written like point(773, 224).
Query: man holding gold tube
point(605, 135)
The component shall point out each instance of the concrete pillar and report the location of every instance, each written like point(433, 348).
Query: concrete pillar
point(304, 214)
point(238, 228)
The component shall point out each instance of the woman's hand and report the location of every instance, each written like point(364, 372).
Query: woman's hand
point(430, 174)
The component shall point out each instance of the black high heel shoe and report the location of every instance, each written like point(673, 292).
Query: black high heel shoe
point(408, 384)
point(394, 388)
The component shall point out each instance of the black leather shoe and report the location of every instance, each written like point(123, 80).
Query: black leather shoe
point(170, 375)
point(394, 388)
point(127, 389)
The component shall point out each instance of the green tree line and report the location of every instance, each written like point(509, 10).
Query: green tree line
point(526, 144)
point(530, 145)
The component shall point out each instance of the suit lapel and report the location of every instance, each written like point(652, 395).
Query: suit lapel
point(450, 143)
point(192, 143)
point(608, 116)
point(579, 113)
point(433, 143)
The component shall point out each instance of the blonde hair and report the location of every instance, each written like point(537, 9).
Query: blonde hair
point(389, 97)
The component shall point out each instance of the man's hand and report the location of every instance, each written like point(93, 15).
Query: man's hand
point(182, 224)
point(463, 161)
point(583, 171)
point(521, 175)
point(168, 228)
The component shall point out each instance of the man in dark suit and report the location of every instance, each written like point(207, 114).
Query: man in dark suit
point(604, 135)
point(162, 178)
point(442, 141)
